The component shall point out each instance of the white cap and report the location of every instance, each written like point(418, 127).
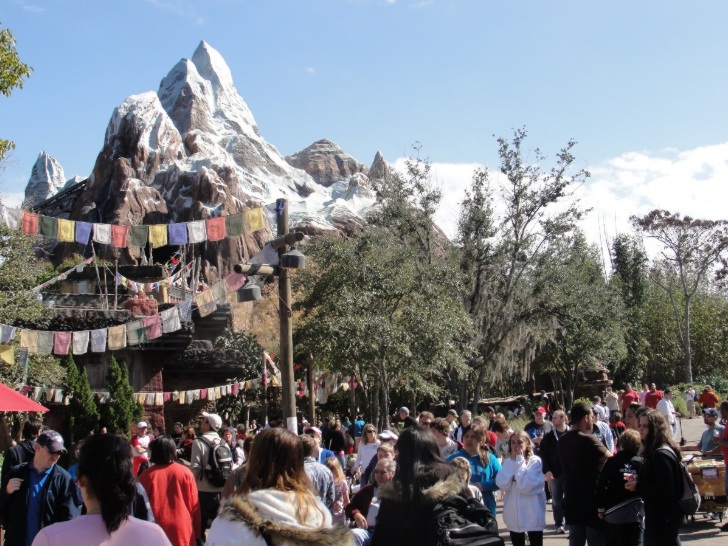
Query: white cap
point(388, 435)
point(214, 419)
point(142, 424)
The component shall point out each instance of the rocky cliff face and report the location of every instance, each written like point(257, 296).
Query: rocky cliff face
point(326, 163)
point(192, 150)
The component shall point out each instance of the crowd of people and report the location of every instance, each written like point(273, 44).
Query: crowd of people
point(609, 468)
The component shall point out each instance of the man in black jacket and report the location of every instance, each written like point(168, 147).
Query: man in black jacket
point(553, 474)
point(24, 451)
point(38, 493)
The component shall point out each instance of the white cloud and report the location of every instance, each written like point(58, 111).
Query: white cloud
point(422, 4)
point(311, 70)
point(30, 7)
point(692, 182)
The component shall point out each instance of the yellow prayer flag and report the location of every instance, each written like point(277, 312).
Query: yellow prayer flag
point(66, 230)
point(254, 219)
point(7, 353)
point(158, 235)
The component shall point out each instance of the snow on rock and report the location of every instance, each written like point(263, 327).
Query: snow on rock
point(46, 179)
point(192, 150)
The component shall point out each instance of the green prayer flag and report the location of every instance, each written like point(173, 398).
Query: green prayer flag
point(234, 224)
point(138, 236)
point(48, 226)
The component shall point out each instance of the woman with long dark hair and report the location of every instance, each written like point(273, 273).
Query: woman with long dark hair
point(172, 493)
point(659, 482)
point(275, 504)
point(422, 479)
point(632, 416)
point(108, 487)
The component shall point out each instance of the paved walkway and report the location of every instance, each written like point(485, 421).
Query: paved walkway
point(703, 532)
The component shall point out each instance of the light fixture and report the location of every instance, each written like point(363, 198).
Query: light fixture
point(293, 259)
point(249, 292)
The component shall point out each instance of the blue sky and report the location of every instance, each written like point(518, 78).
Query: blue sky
point(641, 86)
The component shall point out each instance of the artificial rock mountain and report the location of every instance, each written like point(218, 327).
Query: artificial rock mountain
point(192, 151)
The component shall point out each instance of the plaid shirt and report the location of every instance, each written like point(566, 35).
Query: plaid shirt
point(322, 480)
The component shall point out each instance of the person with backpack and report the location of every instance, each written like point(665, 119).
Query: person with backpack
point(406, 514)
point(659, 481)
point(522, 481)
point(209, 466)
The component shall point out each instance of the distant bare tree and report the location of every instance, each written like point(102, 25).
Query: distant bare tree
point(691, 248)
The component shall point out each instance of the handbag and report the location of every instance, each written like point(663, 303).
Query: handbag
point(629, 511)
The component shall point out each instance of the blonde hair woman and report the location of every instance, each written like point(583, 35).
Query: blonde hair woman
point(275, 503)
point(521, 479)
point(367, 448)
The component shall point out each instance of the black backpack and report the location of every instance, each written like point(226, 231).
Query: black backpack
point(219, 462)
point(461, 521)
point(689, 500)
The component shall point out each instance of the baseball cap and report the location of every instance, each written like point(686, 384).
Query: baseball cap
point(53, 441)
point(452, 412)
point(214, 419)
point(312, 429)
point(540, 409)
point(711, 411)
point(388, 435)
point(142, 424)
point(404, 409)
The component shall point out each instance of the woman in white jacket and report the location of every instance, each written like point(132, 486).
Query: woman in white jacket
point(275, 504)
point(521, 478)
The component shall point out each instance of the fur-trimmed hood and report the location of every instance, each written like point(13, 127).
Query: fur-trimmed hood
point(441, 490)
point(240, 509)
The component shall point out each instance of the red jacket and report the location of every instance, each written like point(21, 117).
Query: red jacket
point(172, 493)
point(708, 399)
point(360, 502)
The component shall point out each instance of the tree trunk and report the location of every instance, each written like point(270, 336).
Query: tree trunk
point(686, 345)
point(478, 388)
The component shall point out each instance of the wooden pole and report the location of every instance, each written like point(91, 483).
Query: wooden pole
point(286, 326)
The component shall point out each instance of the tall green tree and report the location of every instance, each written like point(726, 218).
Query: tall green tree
point(691, 248)
point(588, 314)
point(369, 307)
point(406, 205)
point(84, 415)
point(122, 409)
point(244, 348)
point(629, 277)
point(505, 229)
point(12, 74)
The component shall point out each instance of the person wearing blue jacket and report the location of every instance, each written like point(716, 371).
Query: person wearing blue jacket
point(38, 493)
point(484, 466)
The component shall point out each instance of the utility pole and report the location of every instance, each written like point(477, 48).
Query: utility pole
point(285, 362)
point(286, 324)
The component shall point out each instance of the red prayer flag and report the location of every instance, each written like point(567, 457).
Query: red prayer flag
point(118, 236)
point(30, 223)
point(215, 228)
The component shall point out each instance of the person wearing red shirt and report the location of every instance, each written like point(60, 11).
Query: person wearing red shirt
point(708, 398)
point(172, 492)
point(629, 396)
point(653, 396)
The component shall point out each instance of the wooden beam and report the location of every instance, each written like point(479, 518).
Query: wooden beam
point(257, 269)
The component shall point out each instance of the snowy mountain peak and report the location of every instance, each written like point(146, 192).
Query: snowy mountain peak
point(46, 179)
point(192, 150)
